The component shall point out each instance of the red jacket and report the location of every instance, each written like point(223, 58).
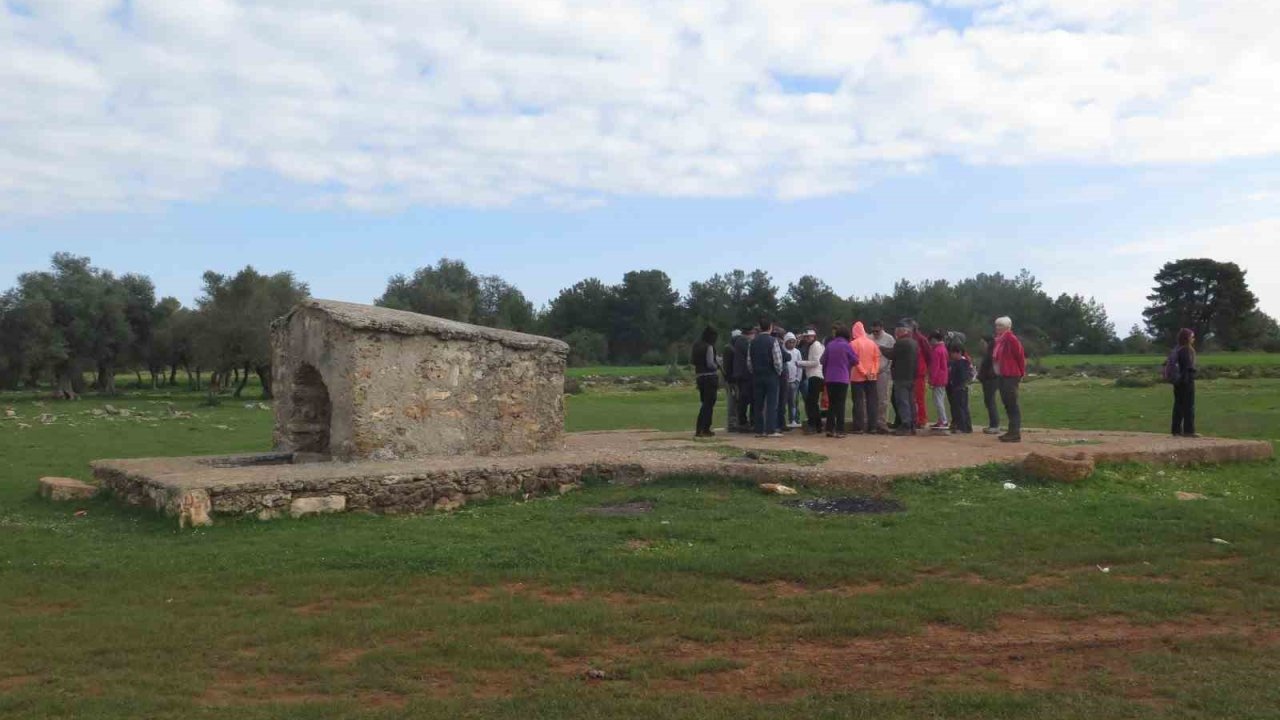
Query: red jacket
point(1009, 356)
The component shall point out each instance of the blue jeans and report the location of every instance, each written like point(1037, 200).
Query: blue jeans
point(764, 412)
point(793, 402)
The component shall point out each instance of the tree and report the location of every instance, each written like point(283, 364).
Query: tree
point(237, 315)
point(447, 290)
point(499, 304)
point(1212, 298)
point(644, 316)
point(761, 298)
point(810, 300)
point(587, 347)
point(587, 305)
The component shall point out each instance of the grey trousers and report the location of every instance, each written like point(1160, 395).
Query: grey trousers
point(884, 388)
point(904, 401)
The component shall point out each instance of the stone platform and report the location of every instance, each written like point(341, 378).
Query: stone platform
point(273, 485)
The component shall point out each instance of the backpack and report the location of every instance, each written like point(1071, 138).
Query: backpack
point(1169, 371)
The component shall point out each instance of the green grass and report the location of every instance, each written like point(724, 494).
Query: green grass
point(618, 371)
point(1225, 359)
point(702, 608)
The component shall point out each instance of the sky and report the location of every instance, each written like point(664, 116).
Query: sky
point(546, 141)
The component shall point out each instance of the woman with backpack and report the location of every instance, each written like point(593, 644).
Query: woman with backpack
point(1180, 369)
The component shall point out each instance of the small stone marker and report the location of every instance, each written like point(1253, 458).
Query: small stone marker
point(315, 505)
point(59, 489)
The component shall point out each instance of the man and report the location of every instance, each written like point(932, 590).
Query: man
point(779, 334)
point(794, 371)
point(765, 361)
point(1010, 365)
point(706, 374)
point(865, 376)
point(884, 381)
point(810, 363)
point(742, 377)
point(730, 385)
point(906, 356)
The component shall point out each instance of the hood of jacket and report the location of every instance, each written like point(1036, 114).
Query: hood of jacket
point(868, 367)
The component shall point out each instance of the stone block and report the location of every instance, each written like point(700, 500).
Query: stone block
point(314, 505)
point(59, 489)
point(1058, 468)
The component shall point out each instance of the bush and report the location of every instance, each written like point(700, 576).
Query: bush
point(572, 386)
point(586, 347)
point(653, 357)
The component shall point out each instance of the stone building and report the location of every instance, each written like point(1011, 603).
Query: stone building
point(357, 382)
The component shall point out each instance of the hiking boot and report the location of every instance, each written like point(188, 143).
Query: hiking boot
point(1011, 438)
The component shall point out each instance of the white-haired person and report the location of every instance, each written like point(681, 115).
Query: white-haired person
point(1009, 362)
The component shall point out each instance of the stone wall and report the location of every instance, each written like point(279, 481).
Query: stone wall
point(401, 385)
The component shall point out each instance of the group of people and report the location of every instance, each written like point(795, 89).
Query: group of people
point(771, 373)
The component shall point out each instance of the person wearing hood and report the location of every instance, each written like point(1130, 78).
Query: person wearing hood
point(865, 375)
point(939, 372)
point(706, 371)
point(730, 386)
point(794, 371)
point(1184, 384)
point(838, 362)
point(811, 352)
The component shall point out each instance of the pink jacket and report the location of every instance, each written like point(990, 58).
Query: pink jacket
point(939, 365)
point(868, 367)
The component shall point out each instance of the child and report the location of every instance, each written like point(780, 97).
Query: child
point(939, 379)
point(959, 376)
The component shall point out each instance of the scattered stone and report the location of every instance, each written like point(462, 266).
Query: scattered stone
point(597, 674)
point(263, 406)
point(1190, 496)
point(446, 504)
point(317, 505)
point(59, 489)
point(777, 489)
point(98, 412)
point(81, 513)
point(1010, 486)
point(111, 409)
point(23, 425)
point(1058, 468)
point(193, 509)
point(47, 419)
point(382, 454)
point(124, 413)
point(10, 412)
point(1220, 541)
point(850, 505)
point(1102, 569)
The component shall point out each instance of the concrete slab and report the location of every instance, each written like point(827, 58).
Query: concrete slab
point(270, 485)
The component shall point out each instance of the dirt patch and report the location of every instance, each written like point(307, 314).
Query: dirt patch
point(230, 689)
point(1020, 654)
point(626, 509)
point(560, 596)
point(849, 505)
point(14, 682)
point(332, 605)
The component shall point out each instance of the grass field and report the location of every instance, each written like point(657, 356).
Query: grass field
point(720, 602)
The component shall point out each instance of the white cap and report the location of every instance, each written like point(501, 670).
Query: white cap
point(736, 332)
point(811, 331)
point(789, 336)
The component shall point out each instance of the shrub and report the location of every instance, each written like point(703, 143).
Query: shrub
point(573, 386)
point(586, 347)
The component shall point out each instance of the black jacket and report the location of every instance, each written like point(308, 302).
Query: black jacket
point(905, 356)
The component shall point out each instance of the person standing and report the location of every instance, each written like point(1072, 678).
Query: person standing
point(960, 373)
point(837, 365)
point(922, 373)
point(864, 379)
point(779, 335)
point(765, 362)
point(794, 371)
point(742, 378)
point(706, 371)
point(1010, 364)
point(811, 352)
point(1184, 385)
point(730, 386)
point(905, 366)
point(884, 381)
point(990, 385)
point(939, 371)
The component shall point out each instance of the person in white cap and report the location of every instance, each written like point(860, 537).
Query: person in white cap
point(794, 372)
point(811, 363)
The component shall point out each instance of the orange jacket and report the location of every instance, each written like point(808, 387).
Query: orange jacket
point(868, 367)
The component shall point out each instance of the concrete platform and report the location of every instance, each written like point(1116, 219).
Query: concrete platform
point(273, 485)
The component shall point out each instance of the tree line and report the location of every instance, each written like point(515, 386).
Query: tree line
point(75, 326)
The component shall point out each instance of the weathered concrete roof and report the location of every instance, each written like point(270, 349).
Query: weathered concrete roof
point(402, 322)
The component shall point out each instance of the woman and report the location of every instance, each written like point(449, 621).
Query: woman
point(1184, 386)
point(705, 366)
point(837, 364)
point(990, 385)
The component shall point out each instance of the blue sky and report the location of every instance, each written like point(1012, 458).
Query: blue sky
point(861, 142)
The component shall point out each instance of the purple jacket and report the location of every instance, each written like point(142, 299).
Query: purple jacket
point(838, 361)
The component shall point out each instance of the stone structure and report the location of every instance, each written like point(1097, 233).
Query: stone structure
point(357, 382)
point(59, 489)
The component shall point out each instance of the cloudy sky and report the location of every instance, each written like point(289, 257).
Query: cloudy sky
point(550, 140)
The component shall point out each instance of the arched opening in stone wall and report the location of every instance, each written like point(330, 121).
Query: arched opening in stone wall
point(309, 424)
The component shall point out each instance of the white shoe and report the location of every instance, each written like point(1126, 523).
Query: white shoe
point(774, 435)
point(991, 431)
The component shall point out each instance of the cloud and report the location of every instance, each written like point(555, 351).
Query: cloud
point(388, 104)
